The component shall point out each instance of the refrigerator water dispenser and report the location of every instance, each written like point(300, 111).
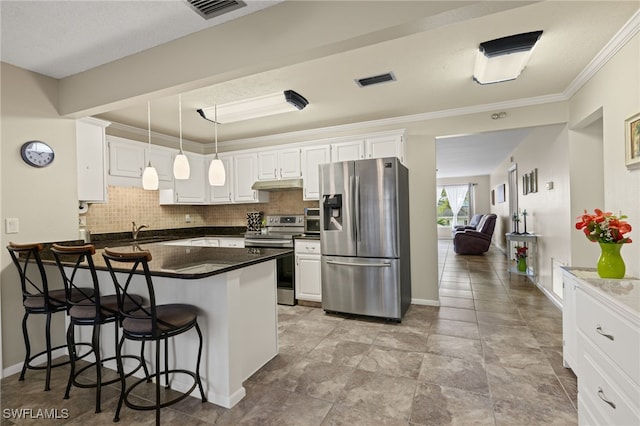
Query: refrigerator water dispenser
point(332, 205)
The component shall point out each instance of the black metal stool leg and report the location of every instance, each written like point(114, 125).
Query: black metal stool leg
point(48, 338)
point(158, 343)
point(204, 398)
point(27, 346)
point(95, 345)
point(166, 363)
point(72, 358)
point(123, 382)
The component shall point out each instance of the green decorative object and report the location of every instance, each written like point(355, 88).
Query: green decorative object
point(611, 264)
point(522, 264)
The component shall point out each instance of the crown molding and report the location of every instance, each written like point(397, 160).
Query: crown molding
point(172, 141)
point(629, 30)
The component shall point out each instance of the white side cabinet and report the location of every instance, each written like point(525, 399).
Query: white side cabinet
point(606, 323)
point(312, 157)
point(385, 146)
point(348, 150)
point(308, 270)
point(91, 164)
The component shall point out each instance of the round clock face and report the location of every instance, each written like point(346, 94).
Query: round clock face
point(37, 153)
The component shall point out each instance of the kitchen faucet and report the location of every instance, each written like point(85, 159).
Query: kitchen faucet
point(137, 229)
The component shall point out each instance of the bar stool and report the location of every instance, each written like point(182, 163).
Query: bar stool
point(93, 311)
point(155, 323)
point(38, 299)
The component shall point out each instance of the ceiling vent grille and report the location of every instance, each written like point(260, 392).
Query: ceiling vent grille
point(376, 79)
point(211, 8)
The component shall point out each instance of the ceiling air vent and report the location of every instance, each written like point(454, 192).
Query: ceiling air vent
point(376, 79)
point(212, 8)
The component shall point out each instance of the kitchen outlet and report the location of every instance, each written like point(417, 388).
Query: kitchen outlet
point(12, 225)
point(82, 221)
point(187, 218)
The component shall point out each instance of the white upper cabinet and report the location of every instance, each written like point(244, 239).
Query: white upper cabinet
point(312, 157)
point(126, 158)
point(279, 164)
point(348, 150)
point(91, 164)
point(385, 146)
point(221, 194)
point(192, 190)
point(162, 160)
point(245, 172)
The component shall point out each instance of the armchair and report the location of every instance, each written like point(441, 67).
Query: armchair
point(473, 224)
point(469, 241)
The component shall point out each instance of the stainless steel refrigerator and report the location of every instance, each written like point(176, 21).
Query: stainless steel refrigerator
point(364, 237)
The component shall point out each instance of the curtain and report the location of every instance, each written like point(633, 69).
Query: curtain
point(438, 193)
point(456, 195)
point(472, 200)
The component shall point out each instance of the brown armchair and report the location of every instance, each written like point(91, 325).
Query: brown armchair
point(469, 241)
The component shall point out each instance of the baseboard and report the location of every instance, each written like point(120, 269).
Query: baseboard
point(550, 296)
point(16, 368)
point(427, 302)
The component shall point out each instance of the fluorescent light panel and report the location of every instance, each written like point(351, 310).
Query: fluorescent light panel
point(262, 106)
point(503, 59)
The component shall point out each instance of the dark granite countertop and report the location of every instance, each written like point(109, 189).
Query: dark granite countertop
point(183, 262)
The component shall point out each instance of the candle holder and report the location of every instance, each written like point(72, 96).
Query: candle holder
point(524, 220)
point(515, 220)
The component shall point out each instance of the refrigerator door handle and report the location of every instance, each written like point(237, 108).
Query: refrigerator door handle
point(367, 265)
point(356, 212)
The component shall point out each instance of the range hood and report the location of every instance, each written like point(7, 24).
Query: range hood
point(277, 185)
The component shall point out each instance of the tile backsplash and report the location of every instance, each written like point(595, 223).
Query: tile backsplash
point(127, 204)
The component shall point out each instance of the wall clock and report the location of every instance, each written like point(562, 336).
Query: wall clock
point(37, 153)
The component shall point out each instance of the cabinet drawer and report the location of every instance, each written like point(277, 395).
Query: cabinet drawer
point(612, 334)
point(601, 392)
point(232, 242)
point(307, 247)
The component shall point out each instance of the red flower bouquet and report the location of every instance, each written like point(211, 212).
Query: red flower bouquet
point(604, 227)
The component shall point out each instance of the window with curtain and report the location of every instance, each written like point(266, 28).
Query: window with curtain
point(453, 205)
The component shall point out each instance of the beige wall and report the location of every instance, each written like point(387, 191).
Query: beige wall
point(44, 200)
point(615, 90)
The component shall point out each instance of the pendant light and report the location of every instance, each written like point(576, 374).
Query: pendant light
point(181, 169)
point(150, 175)
point(217, 175)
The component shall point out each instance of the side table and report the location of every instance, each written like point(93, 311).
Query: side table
point(527, 240)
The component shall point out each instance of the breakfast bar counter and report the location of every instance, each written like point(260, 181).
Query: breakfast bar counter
point(235, 292)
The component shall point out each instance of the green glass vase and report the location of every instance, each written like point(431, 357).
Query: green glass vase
point(610, 263)
point(522, 264)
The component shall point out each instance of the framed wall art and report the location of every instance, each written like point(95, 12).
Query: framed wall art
point(501, 193)
point(525, 184)
point(632, 141)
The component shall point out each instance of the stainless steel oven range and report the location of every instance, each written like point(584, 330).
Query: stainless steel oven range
point(279, 233)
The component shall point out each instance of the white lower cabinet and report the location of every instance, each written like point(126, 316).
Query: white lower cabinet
point(231, 242)
point(606, 322)
point(308, 284)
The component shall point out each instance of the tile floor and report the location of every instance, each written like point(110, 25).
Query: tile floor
point(491, 354)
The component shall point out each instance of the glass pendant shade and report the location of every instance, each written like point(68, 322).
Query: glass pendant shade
point(181, 169)
point(217, 175)
point(150, 178)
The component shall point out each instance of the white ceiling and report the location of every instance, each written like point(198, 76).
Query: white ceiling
point(431, 55)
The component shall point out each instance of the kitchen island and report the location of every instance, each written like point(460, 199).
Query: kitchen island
point(235, 291)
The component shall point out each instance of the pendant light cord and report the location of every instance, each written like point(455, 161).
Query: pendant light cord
point(149, 126)
point(215, 107)
point(180, 119)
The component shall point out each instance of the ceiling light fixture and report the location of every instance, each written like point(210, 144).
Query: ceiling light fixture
point(503, 59)
point(217, 175)
point(181, 169)
point(150, 176)
point(262, 106)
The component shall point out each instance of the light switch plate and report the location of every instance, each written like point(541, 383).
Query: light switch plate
point(12, 225)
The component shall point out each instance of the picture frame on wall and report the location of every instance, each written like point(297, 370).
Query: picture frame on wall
point(525, 184)
point(632, 141)
point(534, 180)
point(501, 193)
point(493, 197)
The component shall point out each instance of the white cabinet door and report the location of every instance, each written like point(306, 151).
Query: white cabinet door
point(312, 157)
point(385, 146)
point(126, 158)
point(280, 164)
point(347, 151)
point(221, 194)
point(90, 144)
point(244, 175)
point(162, 160)
point(192, 190)
point(289, 163)
point(308, 283)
